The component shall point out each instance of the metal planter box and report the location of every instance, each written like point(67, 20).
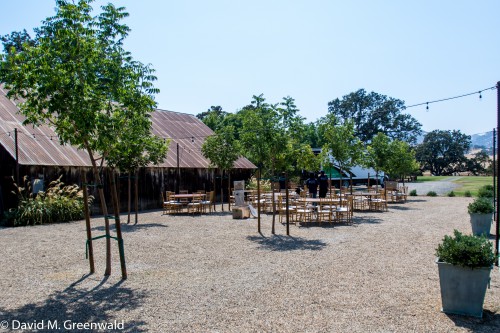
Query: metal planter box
point(463, 289)
point(481, 223)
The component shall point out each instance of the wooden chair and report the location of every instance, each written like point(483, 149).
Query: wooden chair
point(208, 202)
point(281, 209)
point(324, 210)
point(344, 212)
point(303, 212)
point(195, 205)
point(170, 204)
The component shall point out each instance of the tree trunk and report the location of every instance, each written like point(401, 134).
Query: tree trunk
point(104, 209)
point(90, 248)
point(136, 196)
point(116, 206)
point(273, 231)
point(222, 189)
point(229, 188)
point(129, 197)
point(258, 202)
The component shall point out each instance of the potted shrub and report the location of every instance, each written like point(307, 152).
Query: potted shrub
point(481, 216)
point(464, 264)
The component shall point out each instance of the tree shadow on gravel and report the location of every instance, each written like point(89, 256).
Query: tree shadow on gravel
point(416, 200)
point(366, 220)
point(287, 243)
point(130, 227)
point(81, 305)
point(400, 207)
point(489, 323)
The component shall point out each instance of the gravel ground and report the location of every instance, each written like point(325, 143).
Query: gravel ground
point(215, 274)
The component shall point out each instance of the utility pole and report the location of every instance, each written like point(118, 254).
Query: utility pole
point(497, 230)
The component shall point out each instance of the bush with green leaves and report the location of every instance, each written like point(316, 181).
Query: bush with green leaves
point(481, 206)
point(451, 194)
point(431, 194)
point(466, 251)
point(59, 203)
point(413, 193)
point(485, 191)
point(468, 194)
point(265, 185)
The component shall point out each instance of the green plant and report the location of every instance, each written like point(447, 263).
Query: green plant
point(431, 194)
point(485, 191)
point(481, 206)
point(466, 250)
point(451, 194)
point(59, 203)
point(265, 185)
point(413, 193)
point(468, 194)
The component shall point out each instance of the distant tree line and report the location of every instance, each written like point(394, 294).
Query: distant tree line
point(276, 138)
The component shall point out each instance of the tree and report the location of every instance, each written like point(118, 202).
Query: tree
point(373, 113)
point(222, 150)
point(78, 79)
point(377, 154)
point(478, 164)
point(400, 160)
point(213, 117)
point(134, 148)
point(443, 152)
point(17, 42)
point(341, 143)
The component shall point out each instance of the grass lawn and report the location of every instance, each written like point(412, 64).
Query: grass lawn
point(467, 183)
point(472, 184)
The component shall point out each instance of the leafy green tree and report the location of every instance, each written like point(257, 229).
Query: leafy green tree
point(78, 79)
point(135, 147)
point(443, 152)
point(17, 41)
point(222, 150)
point(377, 154)
point(341, 143)
point(213, 117)
point(479, 163)
point(400, 160)
point(373, 113)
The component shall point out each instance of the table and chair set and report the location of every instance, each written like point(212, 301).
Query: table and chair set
point(183, 202)
point(337, 207)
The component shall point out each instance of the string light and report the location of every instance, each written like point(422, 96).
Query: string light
point(450, 98)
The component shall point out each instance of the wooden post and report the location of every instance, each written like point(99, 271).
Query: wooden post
point(17, 156)
point(258, 201)
point(90, 249)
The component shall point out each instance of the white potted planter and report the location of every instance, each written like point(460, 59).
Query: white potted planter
point(481, 216)
point(464, 264)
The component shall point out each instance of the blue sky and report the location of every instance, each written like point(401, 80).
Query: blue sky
point(221, 52)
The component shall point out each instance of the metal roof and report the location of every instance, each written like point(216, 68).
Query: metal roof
point(40, 145)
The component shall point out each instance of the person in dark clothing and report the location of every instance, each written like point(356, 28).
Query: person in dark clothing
point(323, 184)
point(312, 185)
point(282, 181)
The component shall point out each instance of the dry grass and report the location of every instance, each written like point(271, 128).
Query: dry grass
point(216, 274)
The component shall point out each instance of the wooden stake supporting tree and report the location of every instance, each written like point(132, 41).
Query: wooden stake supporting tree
point(76, 77)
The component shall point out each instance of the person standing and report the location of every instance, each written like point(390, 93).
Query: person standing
point(323, 184)
point(312, 185)
point(282, 181)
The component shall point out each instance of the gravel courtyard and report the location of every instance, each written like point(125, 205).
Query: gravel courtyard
point(215, 274)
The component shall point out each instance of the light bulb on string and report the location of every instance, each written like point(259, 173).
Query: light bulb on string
point(427, 107)
point(480, 96)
